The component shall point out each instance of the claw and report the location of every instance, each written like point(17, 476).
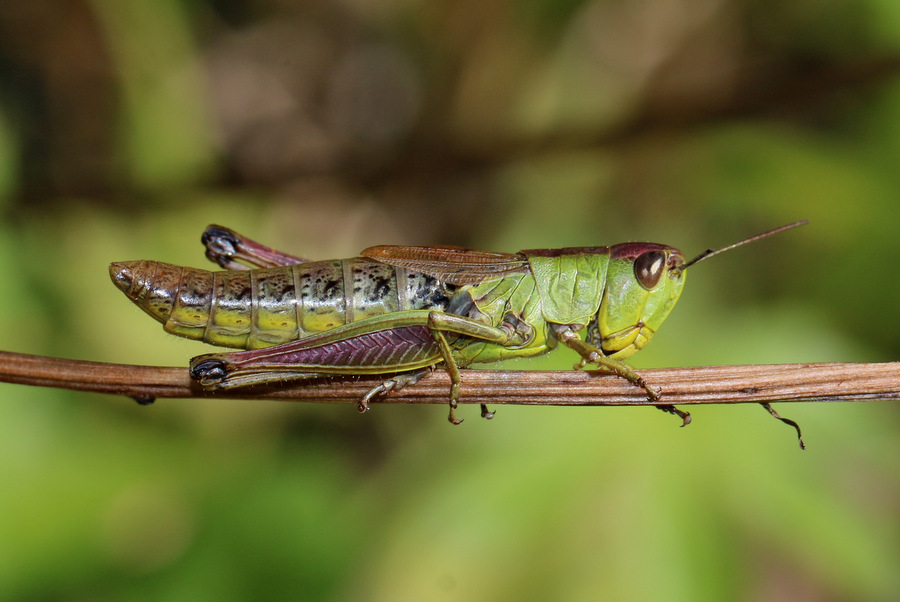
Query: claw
point(685, 416)
point(452, 418)
point(486, 413)
point(363, 405)
point(394, 384)
point(454, 395)
point(652, 394)
point(383, 389)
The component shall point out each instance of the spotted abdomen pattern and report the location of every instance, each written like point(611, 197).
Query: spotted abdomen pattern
point(258, 308)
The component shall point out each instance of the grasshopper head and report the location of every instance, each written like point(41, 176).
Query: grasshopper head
point(642, 285)
point(643, 282)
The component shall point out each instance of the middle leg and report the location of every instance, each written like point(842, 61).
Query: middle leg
point(516, 333)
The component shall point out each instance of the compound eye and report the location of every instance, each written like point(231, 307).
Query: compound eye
point(648, 268)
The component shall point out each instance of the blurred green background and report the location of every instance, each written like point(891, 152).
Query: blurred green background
point(324, 127)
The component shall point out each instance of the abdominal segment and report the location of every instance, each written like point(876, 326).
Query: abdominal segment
point(252, 309)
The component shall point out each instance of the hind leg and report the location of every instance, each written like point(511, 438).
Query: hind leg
point(234, 251)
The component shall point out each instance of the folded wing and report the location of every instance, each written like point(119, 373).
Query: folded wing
point(454, 265)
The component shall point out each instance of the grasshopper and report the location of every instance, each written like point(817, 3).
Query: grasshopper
point(403, 310)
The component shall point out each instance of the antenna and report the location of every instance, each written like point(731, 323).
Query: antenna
point(710, 252)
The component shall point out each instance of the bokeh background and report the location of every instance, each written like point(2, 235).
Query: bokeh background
point(323, 127)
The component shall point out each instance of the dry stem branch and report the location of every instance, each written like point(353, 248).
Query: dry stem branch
point(681, 386)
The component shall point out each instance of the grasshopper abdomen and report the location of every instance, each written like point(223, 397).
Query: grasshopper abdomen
point(251, 309)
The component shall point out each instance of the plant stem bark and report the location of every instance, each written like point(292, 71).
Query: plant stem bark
point(680, 386)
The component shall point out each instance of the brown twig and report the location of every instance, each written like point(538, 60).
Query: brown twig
point(681, 386)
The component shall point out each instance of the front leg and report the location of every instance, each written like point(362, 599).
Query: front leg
point(592, 355)
point(234, 251)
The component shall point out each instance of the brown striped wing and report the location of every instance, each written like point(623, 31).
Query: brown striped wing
point(454, 265)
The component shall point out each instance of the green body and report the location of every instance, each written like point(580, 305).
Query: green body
point(260, 308)
point(405, 310)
